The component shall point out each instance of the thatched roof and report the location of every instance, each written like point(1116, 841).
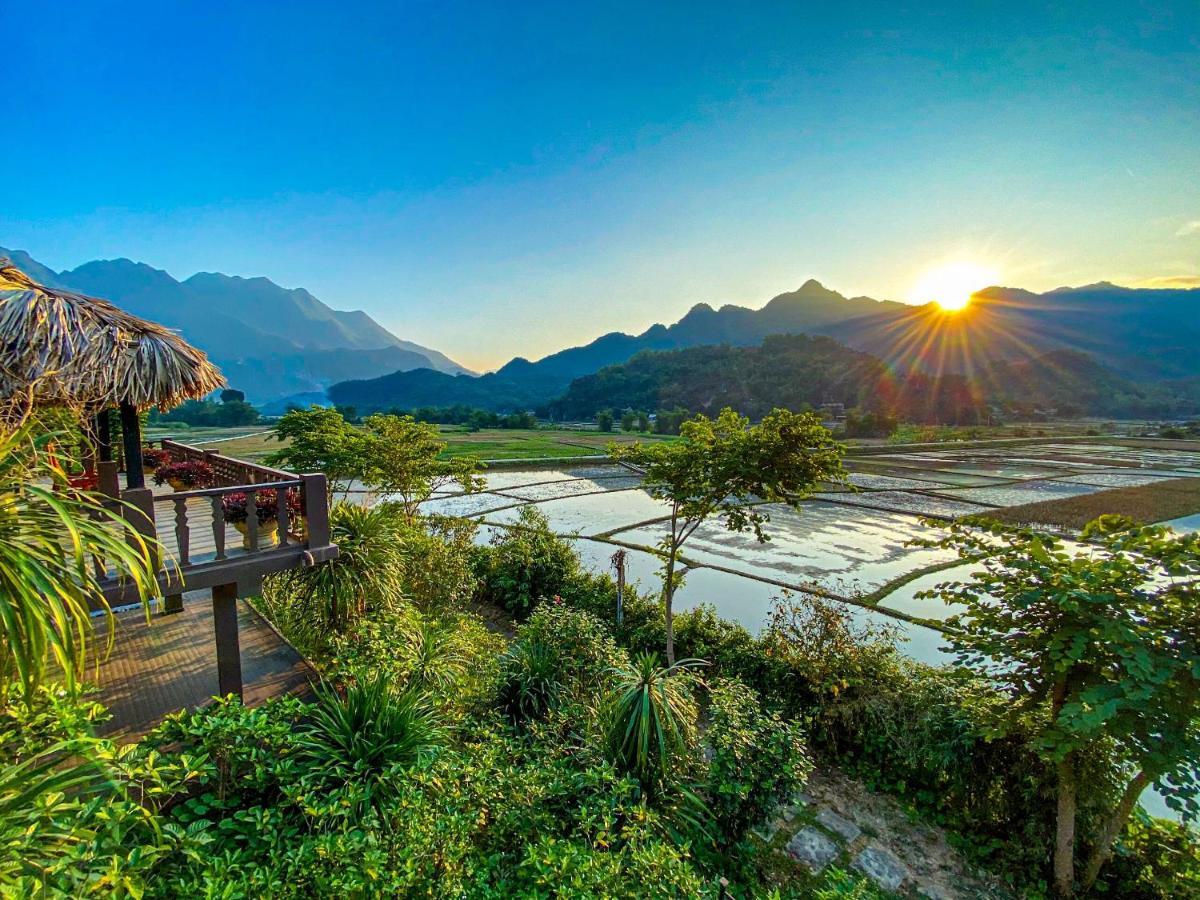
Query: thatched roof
point(60, 348)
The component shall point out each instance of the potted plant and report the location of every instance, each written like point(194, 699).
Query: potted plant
point(153, 460)
point(185, 476)
point(267, 511)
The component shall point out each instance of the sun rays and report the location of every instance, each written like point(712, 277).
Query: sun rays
point(951, 285)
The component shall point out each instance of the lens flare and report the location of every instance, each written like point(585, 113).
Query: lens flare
point(952, 284)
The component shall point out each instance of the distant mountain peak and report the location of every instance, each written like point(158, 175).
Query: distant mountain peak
point(269, 340)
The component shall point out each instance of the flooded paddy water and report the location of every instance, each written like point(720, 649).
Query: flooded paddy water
point(850, 542)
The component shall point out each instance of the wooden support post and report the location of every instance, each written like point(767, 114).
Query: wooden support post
point(103, 429)
point(140, 514)
point(315, 502)
point(108, 481)
point(225, 627)
point(131, 436)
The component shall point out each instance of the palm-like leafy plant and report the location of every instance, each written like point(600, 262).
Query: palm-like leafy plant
point(367, 573)
point(51, 540)
point(41, 806)
point(433, 657)
point(361, 737)
point(531, 681)
point(650, 719)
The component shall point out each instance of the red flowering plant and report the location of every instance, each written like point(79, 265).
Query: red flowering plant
point(155, 459)
point(266, 506)
point(186, 475)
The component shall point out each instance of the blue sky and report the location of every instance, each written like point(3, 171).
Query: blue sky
point(504, 179)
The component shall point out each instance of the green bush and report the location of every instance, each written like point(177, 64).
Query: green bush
point(586, 649)
point(757, 761)
point(524, 564)
point(497, 816)
point(530, 681)
point(437, 557)
point(1155, 859)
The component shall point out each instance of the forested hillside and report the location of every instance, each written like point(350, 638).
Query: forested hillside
point(796, 371)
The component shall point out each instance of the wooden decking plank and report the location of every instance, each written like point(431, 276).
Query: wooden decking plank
point(171, 663)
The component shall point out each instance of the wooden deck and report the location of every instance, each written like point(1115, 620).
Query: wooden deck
point(169, 664)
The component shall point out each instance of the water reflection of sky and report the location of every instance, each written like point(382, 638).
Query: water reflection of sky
point(842, 548)
point(839, 545)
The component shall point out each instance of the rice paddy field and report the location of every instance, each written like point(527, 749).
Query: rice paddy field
point(851, 544)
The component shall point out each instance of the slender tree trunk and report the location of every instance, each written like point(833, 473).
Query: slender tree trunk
point(1113, 828)
point(1068, 789)
point(668, 596)
point(1064, 844)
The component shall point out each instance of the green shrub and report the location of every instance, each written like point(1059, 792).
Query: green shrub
point(453, 655)
point(586, 649)
point(757, 760)
point(530, 681)
point(1155, 859)
point(366, 734)
point(524, 564)
point(437, 558)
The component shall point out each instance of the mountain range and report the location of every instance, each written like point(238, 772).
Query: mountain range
point(269, 341)
point(284, 345)
point(1138, 335)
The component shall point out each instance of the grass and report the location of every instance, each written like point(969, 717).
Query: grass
point(542, 443)
point(1157, 502)
point(250, 443)
point(233, 442)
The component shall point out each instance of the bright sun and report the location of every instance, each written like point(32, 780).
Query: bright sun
point(951, 285)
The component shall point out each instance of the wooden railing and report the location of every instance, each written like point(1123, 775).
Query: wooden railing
point(192, 526)
point(228, 469)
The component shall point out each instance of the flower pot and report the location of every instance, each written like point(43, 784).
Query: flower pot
point(178, 485)
point(268, 533)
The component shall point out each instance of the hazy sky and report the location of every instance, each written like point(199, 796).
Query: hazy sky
point(507, 179)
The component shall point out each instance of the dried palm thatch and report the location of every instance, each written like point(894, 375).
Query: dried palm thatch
point(63, 349)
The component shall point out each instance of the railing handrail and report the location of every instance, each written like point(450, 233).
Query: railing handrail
point(229, 489)
point(188, 450)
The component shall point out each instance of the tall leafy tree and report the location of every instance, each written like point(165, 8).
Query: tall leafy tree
point(404, 461)
point(721, 468)
point(321, 440)
point(1099, 647)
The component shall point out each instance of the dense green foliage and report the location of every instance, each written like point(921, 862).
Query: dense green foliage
point(1098, 650)
point(527, 564)
point(923, 733)
point(757, 760)
point(232, 410)
point(444, 758)
point(473, 418)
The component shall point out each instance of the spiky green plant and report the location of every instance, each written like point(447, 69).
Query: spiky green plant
point(433, 656)
point(51, 540)
point(531, 685)
point(650, 719)
point(367, 573)
point(364, 734)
